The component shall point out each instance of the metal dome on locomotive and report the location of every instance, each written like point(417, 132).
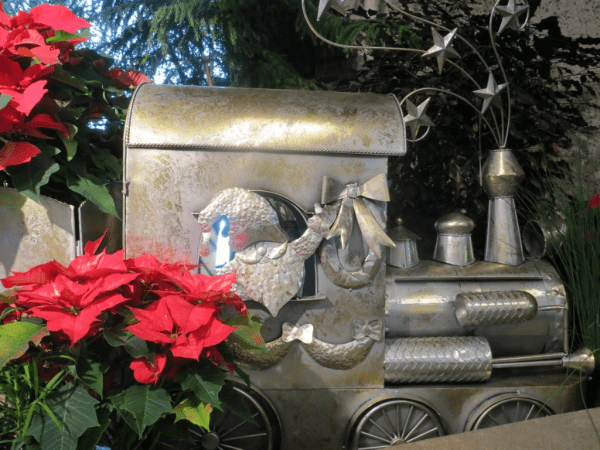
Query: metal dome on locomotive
point(264, 120)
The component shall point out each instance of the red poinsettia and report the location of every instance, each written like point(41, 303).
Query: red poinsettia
point(123, 80)
point(183, 328)
point(26, 34)
point(147, 372)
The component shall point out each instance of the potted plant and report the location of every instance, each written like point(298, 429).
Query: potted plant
point(114, 352)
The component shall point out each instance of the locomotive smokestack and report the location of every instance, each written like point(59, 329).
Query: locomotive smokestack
point(501, 177)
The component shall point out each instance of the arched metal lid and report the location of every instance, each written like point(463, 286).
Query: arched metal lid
point(454, 224)
point(244, 119)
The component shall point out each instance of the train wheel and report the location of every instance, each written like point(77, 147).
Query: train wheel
point(392, 422)
point(229, 431)
point(505, 409)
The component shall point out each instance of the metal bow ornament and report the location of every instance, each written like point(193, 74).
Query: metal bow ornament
point(303, 333)
point(352, 198)
point(364, 328)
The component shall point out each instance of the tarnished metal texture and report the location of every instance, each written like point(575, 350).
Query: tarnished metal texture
point(501, 177)
point(581, 360)
point(405, 253)
point(93, 222)
point(34, 233)
point(421, 303)
point(264, 120)
point(325, 419)
point(543, 237)
point(488, 308)
point(505, 409)
point(166, 187)
point(186, 161)
point(393, 422)
point(437, 360)
point(453, 245)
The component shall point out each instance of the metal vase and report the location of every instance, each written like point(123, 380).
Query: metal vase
point(501, 177)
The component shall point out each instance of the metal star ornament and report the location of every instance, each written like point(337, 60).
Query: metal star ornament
point(442, 48)
point(490, 94)
point(510, 15)
point(325, 4)
point(416, 117)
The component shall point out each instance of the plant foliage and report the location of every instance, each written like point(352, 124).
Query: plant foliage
point(114, 352)
point(62, 109)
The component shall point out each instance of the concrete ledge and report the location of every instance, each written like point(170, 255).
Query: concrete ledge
point(563, 431)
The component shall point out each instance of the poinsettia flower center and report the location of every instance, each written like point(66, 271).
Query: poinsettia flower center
point(73, 310)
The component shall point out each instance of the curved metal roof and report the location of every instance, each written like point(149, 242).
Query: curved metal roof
point(264, 120)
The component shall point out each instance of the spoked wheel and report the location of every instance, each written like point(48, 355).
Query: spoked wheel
point(228, 431)
point(505, 409)
point(393, 422)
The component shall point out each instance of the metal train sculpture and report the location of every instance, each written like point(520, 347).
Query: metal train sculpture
point(368, 346)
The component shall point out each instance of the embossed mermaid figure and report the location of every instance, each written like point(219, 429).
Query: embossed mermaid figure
point(241, 232)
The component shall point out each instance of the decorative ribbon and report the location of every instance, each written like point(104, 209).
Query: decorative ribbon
point(302, 333)
point(364, 328)
point(352, 196)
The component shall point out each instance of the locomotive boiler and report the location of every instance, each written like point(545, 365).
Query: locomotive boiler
point(367, 345)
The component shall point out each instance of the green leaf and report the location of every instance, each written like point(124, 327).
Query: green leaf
point(4, 99)
point(135, 346)
point(74, 408)
point(28, 178)
point(93, 190)
point(195, 411)
point(61, 36)
point(67, 78)
point(205, 384)
point(90, 438)
point(90, 374)
point(15, 338)
point(70, 143)
point(248, 333)
point(141, 406)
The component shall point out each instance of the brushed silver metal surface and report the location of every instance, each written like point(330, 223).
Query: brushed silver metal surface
point(421, 303)
point(507, 408)
point(325, 419)
point(501, 177)
point(393, 422)
point(34, 233)
point(453, 245)
point(456, 250)
point(543, 237)
point(488, 308)
point(437, 360)
point(503, 239)
point(405, 253)
point(581, 360)
point(179, 117)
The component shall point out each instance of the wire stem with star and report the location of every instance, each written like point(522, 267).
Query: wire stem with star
point(443, 51)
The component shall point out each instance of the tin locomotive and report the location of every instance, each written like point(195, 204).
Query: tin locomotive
point(289, 189)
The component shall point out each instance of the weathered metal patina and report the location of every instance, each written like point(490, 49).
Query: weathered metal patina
point(289, 190)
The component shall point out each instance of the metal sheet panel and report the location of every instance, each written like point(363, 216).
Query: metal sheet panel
point(323, 418)
point(34, 233)
point(165, 187)
point(264, 120)
point(420, 303)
